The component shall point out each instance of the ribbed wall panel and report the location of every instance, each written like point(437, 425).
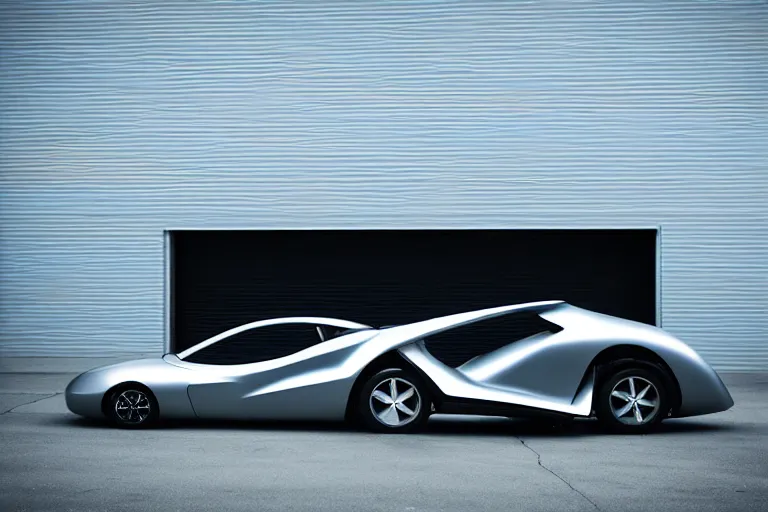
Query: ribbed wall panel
point(121, 119)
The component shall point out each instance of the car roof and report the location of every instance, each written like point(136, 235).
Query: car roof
point(313, 320)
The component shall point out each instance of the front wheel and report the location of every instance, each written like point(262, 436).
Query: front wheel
point(394, 401)
point(632, 400)
point(132, 407)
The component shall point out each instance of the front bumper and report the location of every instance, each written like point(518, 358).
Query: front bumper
point(84, 397)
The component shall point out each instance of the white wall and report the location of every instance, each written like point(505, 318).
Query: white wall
point(121, 119)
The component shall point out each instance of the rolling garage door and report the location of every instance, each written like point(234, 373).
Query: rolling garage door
point(222, 279)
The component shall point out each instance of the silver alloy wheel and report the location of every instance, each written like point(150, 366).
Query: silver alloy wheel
point(395, 402)
point(132, 406)
point(634, 401)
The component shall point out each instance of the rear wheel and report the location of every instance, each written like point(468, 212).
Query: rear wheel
point(394, 401)
point(632, 400)
point(132, 407)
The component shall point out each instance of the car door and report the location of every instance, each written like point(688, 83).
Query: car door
point(239, 365)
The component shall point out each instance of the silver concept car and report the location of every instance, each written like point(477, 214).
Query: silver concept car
point(629, 375)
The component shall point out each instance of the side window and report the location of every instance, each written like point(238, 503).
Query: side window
point(260, 344)
point(330, 332)
point(455, 347)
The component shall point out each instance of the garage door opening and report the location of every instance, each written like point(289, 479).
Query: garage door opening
point(222, 279)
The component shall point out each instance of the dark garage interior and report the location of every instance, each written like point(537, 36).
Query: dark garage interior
point(222, 279)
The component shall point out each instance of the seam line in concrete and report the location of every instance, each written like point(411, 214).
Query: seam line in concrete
point(32, 402)
point(29, 392)
point(538, 459)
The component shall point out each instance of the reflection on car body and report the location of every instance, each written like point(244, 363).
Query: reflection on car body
point(629, 375)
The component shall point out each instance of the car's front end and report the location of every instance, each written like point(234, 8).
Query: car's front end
point(86, 393)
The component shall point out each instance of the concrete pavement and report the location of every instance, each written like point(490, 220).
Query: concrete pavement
point(53, 460)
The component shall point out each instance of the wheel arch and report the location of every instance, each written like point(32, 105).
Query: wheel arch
point(126, 385)
point(391, 359)
point(618, 357)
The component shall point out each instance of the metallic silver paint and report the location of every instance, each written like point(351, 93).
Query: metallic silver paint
point(546, 371)
point(168, 383)
point(272, 321)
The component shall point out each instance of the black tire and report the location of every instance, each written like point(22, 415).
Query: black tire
point(394, 418)
point(650, 402)
point(138, 399)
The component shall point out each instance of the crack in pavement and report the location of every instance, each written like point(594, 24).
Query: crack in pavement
point(538, 459)
point(27, 403)
point(12, 392)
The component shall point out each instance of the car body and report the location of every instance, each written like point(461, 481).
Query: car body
point(561, 372)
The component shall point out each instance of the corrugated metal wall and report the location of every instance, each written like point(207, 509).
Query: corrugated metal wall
point(121, 119)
